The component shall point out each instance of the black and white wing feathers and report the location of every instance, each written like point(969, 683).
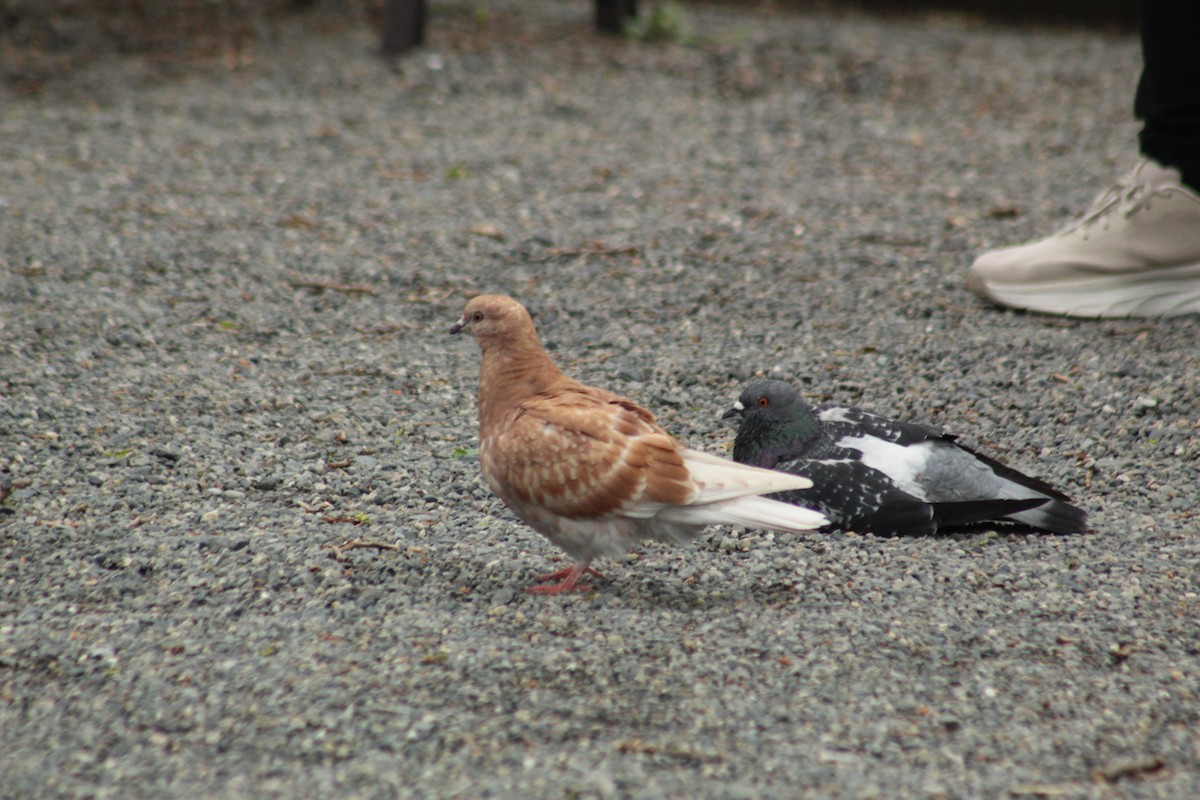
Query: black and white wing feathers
point(856, 497)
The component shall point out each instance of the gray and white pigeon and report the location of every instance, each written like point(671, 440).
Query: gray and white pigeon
point(592, 471)
point(872, 474)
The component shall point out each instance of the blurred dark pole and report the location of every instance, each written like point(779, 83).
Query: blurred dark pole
point(611, 14)
point(404, 21)
point(403, 26)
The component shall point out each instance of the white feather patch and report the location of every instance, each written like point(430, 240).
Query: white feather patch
point(835, 414)
point(902, 463)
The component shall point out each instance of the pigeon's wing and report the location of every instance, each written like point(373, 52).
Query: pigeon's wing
point(587, 454)
point(839, 421)
point(858, 498)
point(1007, 473)
point(963, 485)
point(957, 473)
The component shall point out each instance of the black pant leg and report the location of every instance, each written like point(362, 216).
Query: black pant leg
point(1168, 94)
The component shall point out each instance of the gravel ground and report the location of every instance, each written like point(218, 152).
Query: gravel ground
point(223, 312)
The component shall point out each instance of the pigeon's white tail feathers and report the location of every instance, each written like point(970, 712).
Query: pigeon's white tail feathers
point(721, 479)
point(753, 512)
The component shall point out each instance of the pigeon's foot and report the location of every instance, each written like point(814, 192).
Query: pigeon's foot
point(568, 580)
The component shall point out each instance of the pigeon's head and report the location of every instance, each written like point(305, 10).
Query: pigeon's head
point(765, 401)
point(496, 319)
point(775, 424)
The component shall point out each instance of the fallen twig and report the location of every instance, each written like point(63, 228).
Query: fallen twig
point(338, 551)
point(1127, 769)
point(594, 249)
point(334, 286)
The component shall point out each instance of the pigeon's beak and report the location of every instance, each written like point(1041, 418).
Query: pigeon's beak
point(459, 326)
point(734, 411)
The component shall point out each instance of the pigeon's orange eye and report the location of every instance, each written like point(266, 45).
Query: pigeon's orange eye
point(763, 402)
point(477, 316)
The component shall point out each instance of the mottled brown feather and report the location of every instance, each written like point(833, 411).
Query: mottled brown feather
point(582, 455)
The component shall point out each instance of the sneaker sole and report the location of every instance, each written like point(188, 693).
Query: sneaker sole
point(1169, 293)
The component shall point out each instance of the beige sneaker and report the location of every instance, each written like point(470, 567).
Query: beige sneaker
point(1135, 253)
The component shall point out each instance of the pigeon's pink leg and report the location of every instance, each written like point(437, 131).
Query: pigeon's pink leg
point(569, 580)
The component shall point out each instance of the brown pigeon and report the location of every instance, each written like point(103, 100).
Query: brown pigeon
point(592, 471)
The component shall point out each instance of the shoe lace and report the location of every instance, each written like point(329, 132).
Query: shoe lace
point(1127, 196)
